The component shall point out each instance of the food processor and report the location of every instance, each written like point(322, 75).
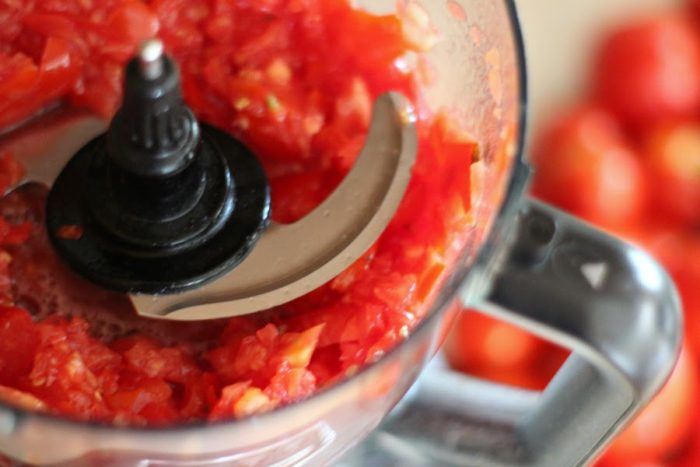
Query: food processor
point(525, 262)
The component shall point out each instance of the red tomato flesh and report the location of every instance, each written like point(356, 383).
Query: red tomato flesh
point(285, 77)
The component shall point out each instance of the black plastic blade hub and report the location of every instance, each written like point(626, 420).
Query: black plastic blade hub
point(160, 203)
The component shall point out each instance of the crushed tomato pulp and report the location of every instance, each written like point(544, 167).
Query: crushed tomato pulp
point(293, 79)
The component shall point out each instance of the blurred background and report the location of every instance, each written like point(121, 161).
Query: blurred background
point(561, 38)
point(614, 138)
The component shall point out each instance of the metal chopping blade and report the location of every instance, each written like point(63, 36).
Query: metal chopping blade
point(289, 260)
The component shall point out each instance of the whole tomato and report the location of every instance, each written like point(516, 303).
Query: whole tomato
point(498, 351)
point(690, 456)
point(584, 165)
point(649, 70)
point(672, 156)
point(664, 426)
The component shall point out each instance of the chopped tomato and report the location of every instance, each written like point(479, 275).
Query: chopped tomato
point(233, 363)
point(454, 149)
point(152, 360)
point(11, 172)
point(14, 234)
point(252, 401)
point(201, 395)
point(296, 195)
point(132, 22)
point(150, 400)
point(345, 280)
point(265, 354)
point(295, 349)
point(286, 78)
point(29, 87)
point(19, 341)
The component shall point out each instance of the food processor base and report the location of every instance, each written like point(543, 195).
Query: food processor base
point(440, 422)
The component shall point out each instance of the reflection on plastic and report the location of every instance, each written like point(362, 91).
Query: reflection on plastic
point(287, 452)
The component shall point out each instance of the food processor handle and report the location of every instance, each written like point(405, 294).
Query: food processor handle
point(563, 280)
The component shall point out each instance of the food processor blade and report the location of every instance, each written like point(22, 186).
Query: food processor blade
point(289, 260)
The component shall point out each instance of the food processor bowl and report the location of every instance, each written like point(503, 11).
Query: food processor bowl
point(522, 262)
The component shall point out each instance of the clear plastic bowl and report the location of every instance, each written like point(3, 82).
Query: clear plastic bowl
point(480, 70)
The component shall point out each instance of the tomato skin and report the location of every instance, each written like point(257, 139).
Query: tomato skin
point(149, 358)
point(200, 396)
point(663, 427)
point(264, 355)
point(455, 151)
point(584, 165)
point(11, 171)
point(291, 385)
point(83, 57)
point(230, 395)
point(66, 374)
point(649, 70)
point(672, 157)
point(294, 350)
point(132, 22)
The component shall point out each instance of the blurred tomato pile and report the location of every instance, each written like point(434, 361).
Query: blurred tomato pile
point(626, 158)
